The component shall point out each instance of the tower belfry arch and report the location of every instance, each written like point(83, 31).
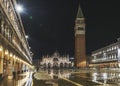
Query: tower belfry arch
point(80, 51)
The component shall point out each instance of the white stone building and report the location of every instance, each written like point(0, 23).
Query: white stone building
point(56, 61)
point(107, 57)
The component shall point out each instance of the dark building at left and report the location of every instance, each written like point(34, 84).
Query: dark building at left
point(15, 55)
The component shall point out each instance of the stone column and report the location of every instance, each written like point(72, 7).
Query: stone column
point(25, 68)
point(20, 67)
point(10, 68)
point(16, 68)
point(1, 63)
point(13, 68)
point(1, 67)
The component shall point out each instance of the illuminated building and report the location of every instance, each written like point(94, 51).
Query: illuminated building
point(80, 54)
point(56, 61)
point(107, 57)
point(15, 55)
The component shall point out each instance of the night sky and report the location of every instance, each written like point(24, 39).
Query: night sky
point(50, 24)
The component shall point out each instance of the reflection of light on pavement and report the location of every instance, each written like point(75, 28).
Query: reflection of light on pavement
point(22, 81)
point(42, 76)
point(51, 75)
point(119, 75)
point(94, 76)
point(64, 74)
point(27, 80)
point(104, 76)
point(77, 84)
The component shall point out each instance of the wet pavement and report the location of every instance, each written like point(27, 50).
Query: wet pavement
point(64, 77)
point(20, 80)
point(94, 77)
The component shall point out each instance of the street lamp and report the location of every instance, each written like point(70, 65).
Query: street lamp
point(27, 37)
point(19, 8)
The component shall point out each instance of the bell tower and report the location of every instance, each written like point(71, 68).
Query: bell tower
point(80, 54)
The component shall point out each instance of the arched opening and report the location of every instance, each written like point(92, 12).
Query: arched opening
point(1, 62)
point(49, 65)
point(61, 65)
point(70, 65)
point(44, 65)
point(5, 62)
point(55, 59)
point(55, 63)
point(66, 65)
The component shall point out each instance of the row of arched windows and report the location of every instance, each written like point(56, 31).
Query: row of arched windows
point(10, 27)
point(5, 28)
point(106, 57)
point(11, 14)
point(7, 5)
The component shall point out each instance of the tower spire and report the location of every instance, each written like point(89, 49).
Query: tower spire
point(79, 14)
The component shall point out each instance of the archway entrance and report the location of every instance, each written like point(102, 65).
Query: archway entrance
point(49, 65)
point(61, 65)
point(55, 63)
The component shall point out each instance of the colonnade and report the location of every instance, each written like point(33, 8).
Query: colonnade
point(10, 63)
point(106, 65)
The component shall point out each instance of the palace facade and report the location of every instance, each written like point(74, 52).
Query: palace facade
point(56, 61)
point(15, 55)
point(106, 57)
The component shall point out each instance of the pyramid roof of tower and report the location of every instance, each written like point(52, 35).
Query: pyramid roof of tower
point(79, 14)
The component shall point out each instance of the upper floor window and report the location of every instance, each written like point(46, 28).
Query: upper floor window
point(79, 28)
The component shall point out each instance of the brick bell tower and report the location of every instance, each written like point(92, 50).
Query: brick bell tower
point(80, 54)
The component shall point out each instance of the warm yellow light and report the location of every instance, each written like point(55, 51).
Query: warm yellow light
point(119, 64)
point(18, 59)
point(11, 55)
point(1, 49)
point(6, 52)
point(14, 56)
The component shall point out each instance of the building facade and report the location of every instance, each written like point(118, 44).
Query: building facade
point(15, 55)
point(56, 61)
point(80, 54)
point(106, 57)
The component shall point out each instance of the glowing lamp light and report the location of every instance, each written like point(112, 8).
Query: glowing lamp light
point(26, 36)
point(1, 49)
point(119, 64)
point(6, 52)
point(11, 55)
point(14, 56)
point(19, 8)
